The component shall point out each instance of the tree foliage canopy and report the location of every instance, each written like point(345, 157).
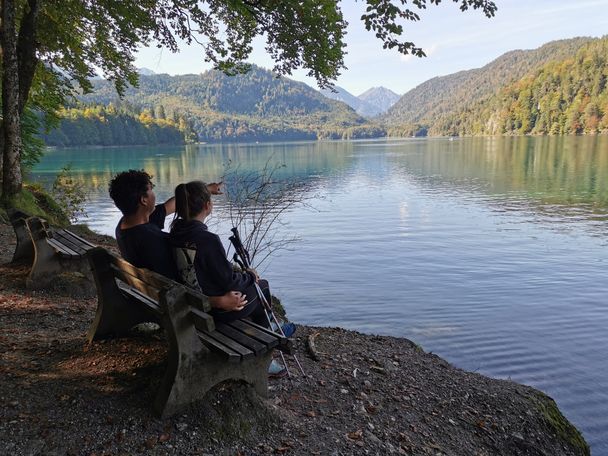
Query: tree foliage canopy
point(59, 42)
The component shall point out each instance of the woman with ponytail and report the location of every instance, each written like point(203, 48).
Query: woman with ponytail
point(214, 272)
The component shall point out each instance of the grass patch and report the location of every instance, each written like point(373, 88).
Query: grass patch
point(34, 200)
point(560, 425)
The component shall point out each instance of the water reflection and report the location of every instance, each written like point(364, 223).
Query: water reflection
point(556, 176)
point(561, 178)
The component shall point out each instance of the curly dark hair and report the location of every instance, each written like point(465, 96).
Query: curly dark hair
point(127, 188)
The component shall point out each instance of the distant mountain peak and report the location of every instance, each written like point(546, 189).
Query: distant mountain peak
point(381, 97)
point(377, 100)
point(145, 71)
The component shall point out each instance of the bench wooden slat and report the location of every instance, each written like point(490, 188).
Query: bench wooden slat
point(285, 345)
point(262, 336)
point(78, 252)
point(202, 320)
point(231, 355)
point(241, 338)
point(231, 344)
point(62, 248)
point(64, 237)
point(139, 296)
point(77, 238)
point(150, 278)
point(144, 288)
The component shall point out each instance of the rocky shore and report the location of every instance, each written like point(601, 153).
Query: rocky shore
point(363, 394)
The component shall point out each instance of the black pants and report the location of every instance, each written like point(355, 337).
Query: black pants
point(254, 309)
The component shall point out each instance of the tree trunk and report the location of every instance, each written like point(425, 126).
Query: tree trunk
point(11, 172)
point(1, 153)
point(26, 51)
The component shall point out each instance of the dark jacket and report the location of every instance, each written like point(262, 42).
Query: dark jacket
point(213, 270)
point(147, 245)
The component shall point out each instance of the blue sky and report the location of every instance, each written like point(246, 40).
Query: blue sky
point(453, 41)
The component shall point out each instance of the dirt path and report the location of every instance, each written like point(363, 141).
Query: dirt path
point(365, 395)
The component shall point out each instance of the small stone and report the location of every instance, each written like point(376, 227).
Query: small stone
point(372, 437)
point(344, 391)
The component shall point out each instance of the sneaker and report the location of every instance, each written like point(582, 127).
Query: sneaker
point(275, 370)
point(288, 328)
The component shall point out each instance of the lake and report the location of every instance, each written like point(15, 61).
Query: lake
point(490, 252)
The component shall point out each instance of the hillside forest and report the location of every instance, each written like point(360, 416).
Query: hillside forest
point(559, 88)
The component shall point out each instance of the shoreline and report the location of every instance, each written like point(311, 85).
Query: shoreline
point(366, 394)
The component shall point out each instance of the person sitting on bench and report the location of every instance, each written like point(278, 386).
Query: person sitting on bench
point(214, 272)
point(140, 236)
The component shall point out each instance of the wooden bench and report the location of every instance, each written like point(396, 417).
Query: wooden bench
point(55, 251)
point(201, 353)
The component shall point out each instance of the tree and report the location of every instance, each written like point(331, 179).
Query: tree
point(55, 43)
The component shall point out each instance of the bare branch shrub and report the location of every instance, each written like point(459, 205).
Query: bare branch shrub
point(257, 202)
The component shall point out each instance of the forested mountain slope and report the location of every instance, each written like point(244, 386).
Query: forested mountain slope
point(253, 106)
point(567, 96)
point(432, 102)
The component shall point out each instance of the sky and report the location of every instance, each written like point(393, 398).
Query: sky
point(453, 41)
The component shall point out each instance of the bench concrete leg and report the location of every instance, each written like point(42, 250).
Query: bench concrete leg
point(192, 369)
point(24, 251)
point(194, 379)
point(48, 264)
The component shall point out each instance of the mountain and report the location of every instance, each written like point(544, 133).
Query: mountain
point(437, 99)
point(253, 106)
point(362, 107)
point(564, 96)
point(381, 97)
point(145, 71)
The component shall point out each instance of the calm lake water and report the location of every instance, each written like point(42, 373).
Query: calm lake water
point(489, 252)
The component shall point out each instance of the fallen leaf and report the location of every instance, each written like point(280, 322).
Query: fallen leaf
point(150, 443)
point(164, 438)
point(357, 435)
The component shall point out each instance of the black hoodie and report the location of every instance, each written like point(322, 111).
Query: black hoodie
point(213, 270)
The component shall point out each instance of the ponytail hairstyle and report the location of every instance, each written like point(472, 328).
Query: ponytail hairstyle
point(190, 200)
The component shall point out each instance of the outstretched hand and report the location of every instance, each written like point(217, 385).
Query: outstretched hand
point(215, 188)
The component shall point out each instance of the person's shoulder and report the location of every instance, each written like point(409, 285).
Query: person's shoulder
point(144, 231)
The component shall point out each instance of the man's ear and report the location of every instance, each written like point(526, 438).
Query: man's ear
point(143, 200)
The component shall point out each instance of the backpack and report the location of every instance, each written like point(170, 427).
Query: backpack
point(184, 260)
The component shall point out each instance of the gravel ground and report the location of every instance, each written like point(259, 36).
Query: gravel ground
point(364, 394)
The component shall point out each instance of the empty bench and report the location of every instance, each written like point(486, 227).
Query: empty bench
point(55, 251)
point(201, 353)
